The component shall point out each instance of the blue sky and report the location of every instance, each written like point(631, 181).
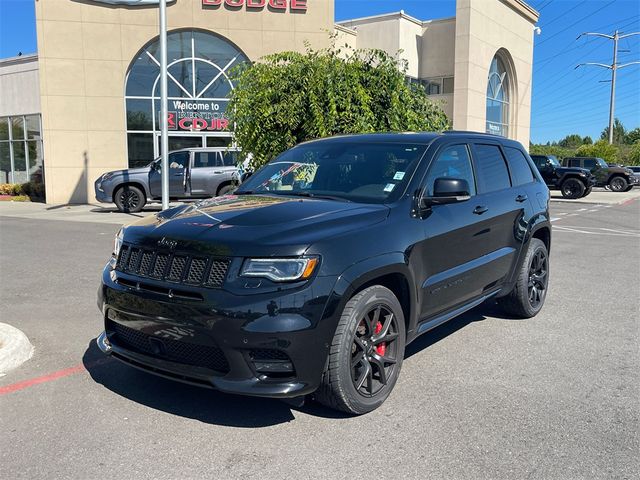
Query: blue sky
point(565, 100)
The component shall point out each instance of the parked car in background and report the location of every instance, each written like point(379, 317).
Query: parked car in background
point(319, 270)
point(573, 182)
point(618, 179)
point(193, 173)
point(636, 171)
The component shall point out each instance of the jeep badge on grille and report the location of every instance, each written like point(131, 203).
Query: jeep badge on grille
point(167, 243)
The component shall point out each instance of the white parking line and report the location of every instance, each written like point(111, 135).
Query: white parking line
point(597, 231)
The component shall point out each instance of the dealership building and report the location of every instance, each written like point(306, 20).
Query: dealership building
point(88, 101)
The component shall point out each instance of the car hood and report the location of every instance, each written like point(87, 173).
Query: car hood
point(240, 225)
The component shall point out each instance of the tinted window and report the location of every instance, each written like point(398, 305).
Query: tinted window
point(574, 162)
point(230, 159)
point(589, 163)
point(539, 161)
point(178, 159)
point(453, 162)
point(492, 170)
point(519, 166)
point(206, 159)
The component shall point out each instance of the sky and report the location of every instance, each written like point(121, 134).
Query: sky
point(564, 100)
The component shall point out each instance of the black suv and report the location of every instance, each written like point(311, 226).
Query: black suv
point(572, 182)
point(314, 276)
point(618, 179)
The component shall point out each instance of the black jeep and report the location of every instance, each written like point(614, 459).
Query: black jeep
point(314, 276)
point(618, 179)
point(572, 182)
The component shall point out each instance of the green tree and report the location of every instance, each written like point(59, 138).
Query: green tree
point(632, 136)
point(600, 149)
point(571, 141)
point(634, 155)
point(587, 140)
point(619, 132)
point(290, 97)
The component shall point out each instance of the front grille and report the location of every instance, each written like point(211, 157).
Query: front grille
point(194, 270)
point(205, 356)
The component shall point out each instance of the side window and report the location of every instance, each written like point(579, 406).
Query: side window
point(454, 162)
point(589, 163)
point(206, 159)
point(178, 159)
point(519, 166)
point(574, 162)
point(229, 159)
point(491, 169)
point(539, 161)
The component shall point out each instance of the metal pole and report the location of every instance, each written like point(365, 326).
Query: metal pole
point(164, 139)
point(612, 103)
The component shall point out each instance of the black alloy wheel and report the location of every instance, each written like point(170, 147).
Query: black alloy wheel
point(374, 350)
point(618, 184)
point(572, 188)
point(537, 286)
point(129, 199)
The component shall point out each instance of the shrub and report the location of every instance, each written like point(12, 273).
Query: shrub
point(600, 149)
point(634, 154)
point(16, 198)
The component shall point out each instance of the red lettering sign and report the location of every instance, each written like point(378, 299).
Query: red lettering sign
point(197, 123)
point(280, 5)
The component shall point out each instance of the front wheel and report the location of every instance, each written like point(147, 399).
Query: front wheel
point(587, 191)
point(129, 199)
point(528, 295)
point(618, 184)
point(366, 353)
point(572, 188)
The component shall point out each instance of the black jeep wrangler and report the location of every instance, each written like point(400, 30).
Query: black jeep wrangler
point(618, 179)
point(572, 182)
point(314, 276)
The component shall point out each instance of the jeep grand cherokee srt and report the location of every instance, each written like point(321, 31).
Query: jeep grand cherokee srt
point(318, 271)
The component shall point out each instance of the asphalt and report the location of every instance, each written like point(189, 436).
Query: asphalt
point(482, 397)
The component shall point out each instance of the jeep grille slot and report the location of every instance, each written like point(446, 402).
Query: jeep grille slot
point(209, 272)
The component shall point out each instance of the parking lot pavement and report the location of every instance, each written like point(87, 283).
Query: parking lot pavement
point(484, 396)
point(600, 196)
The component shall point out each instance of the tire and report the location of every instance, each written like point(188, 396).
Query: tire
point(572, 188)
point(129, 199)
point(361, 370)
point(618, 184)
point(225, 190)
point(587, 192)
point(528, 295)
point(628, 188)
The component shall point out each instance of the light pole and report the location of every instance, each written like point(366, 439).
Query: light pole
point(164, 138)
point(614, 68)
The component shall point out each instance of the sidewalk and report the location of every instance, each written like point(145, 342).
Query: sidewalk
point(600, 196)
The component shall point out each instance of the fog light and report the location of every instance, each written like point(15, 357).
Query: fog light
point(273, 366)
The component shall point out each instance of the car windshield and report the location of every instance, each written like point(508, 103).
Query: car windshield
point(553, 161)
point(601, 163)
point(345, 170)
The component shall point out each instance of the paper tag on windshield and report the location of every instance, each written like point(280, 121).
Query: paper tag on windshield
point(398, 176)
point(389, 187)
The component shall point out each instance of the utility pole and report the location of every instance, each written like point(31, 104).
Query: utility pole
point(164, 138)
point(614, 67)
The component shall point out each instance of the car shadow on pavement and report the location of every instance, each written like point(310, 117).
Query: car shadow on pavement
point(202, 404)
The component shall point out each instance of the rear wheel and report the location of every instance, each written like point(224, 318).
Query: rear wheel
point(129, 199)
point(572, 188)
point(628, 188)
point(527, 297)
point(366, 353)
point(618, 184)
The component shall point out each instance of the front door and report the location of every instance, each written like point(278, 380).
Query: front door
point(178, 185)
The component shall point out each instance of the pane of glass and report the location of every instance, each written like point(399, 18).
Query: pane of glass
point(20, 174)
point(492, 171)
point(140, 149)
point(33, 127)
point(447, 85)
point(520, 170)
point(453, 162)
point(4, 128)
point(142, 76)
point(139, 115)
point(5, 162)
point(35, 160)
point(230, 159)
point(221, 88)
point(207, 159)
point(178, 160)
point(217, 50)
point(17, 128)
point(218, 141)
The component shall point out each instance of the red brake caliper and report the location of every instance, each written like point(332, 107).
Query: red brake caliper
point(381, 348)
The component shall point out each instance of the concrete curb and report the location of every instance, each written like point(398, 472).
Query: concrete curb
point(15, 348)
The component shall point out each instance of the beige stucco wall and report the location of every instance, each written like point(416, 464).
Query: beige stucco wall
point(438, 48)
point(482, 28)
point(20, 85)
point(85, 50)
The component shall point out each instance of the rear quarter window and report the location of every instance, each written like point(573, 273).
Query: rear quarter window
point(521, 173)
point(491, 173)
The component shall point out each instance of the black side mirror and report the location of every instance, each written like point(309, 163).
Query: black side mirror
point(447, 190)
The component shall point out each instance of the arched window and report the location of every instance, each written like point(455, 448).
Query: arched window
point(199, 85)
point(498, 85)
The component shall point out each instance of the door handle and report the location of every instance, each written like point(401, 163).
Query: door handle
point(217, 172)
point(521, 198)
point(178, 174)
point(480, 209)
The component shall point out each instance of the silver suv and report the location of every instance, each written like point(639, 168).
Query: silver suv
point(193, 173)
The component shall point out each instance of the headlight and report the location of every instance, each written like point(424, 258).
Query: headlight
point(280, 269)
point(106, 176)
point(117, 243)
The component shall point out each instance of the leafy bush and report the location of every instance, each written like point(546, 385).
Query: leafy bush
point(11, 189)
point(16, 198)
point(634, 154)
point(31, 189)
point(290, 97)
point(600, 149)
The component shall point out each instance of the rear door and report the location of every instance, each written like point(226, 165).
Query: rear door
point(205, 173)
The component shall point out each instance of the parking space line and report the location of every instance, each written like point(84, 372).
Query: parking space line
point(14, 387)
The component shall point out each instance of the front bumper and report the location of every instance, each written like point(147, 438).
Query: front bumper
point(213, 342)
point(102, 195)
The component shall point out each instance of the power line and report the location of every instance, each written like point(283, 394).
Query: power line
point(577, 22)
point(546, 25)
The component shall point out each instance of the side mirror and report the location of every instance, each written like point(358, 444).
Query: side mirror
point(447, 190)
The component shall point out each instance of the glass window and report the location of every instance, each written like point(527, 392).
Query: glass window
point(497, 109)
point(589, 163)
point(4, 128)
point(5, 163)
point(178, 160)
point(519, 166)
point(356, 171)
point(20, 174)
point(33, 127)
point(433, 88)
point(17, 128)
point(229, 159)
point(34, 149)
point(492, 173)
point(139, 116)
point(140, 149)
point(207, 159)
point(453, 162)
point(218, 141)
point(447, 85)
